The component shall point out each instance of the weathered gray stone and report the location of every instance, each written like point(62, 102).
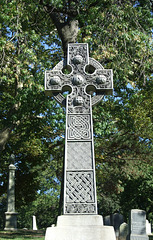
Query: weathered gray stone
point(117, 220)
point(114, 220)
point(11, 215)
point(79, 176)
point(137, 225)
point(107, 220)
point(123, 231)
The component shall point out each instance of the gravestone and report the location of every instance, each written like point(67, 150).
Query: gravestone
point(34, 223)
point(80, 218)
point(137, 225)
point(115, 220)
point(107, 220)
point(148, 227)
point(11, 215)
point(123, 231)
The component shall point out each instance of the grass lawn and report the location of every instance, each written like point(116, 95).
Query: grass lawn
point(22, 234)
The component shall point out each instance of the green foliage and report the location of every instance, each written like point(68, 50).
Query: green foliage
point(120, 37)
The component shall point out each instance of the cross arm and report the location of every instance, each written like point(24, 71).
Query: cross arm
point(55, 80)
point(102, 80)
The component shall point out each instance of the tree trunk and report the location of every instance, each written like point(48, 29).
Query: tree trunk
point(5, 136)
point(68, 32)
point(65, 22)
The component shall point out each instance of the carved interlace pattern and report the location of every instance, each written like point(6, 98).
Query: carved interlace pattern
point(79, 187)
point(79, 155)
point(80, 208)
point(79, 127)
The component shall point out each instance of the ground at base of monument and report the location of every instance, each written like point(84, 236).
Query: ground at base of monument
point(80, 227)
point(21, 234)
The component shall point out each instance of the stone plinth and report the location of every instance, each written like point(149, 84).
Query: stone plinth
point(80, 227)
point(10, 221)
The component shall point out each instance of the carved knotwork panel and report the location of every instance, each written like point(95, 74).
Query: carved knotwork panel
point(79, 155)
point(79, 127)
point(80, 187)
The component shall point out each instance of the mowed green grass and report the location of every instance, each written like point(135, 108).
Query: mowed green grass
point(22, 234)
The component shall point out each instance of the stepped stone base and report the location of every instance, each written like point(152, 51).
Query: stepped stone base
point(80, 227)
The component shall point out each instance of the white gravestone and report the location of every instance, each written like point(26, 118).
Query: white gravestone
point(80, 220)
point(34, 223)
point(148, 227)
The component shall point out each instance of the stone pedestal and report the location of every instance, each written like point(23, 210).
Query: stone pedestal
point(80, 227)
point(10, 221)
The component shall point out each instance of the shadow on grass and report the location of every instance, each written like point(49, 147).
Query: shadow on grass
point(22, 234)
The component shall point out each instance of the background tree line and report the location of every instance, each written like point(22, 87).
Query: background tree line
point(33, 38)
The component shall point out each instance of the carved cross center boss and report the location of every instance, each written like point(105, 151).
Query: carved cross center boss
point(85, 74)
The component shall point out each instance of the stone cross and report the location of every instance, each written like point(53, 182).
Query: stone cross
point(84, 75)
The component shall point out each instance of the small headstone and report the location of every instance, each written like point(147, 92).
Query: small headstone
point(34, 223)
point(148, 227)
point(117, 220)
point(137, 225)
point(114, 220)
point(123, 231)
point(107, 220)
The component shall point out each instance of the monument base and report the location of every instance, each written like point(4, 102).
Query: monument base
point(80, 227)
point(137, 237)
point(10, 221)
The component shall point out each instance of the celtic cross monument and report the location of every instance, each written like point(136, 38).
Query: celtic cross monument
point(84, 74)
